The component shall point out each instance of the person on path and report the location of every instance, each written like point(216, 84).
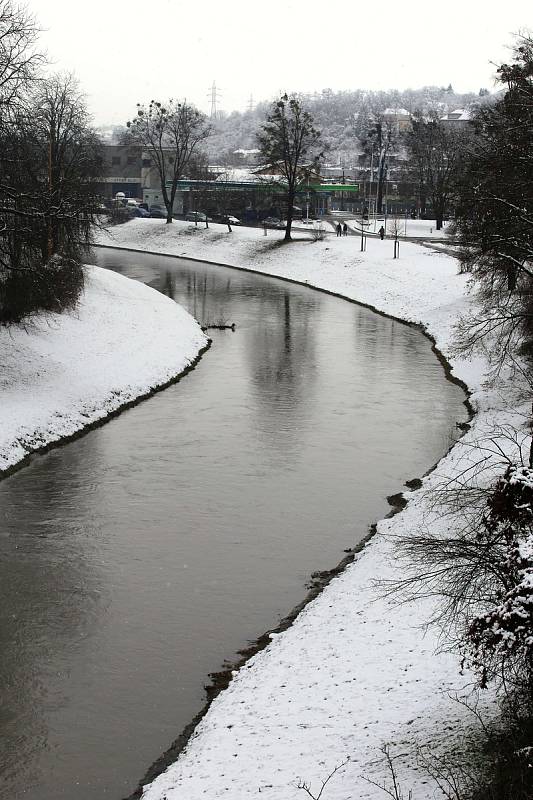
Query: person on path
point(339, 229)
point(345, 230)
point(381, 233)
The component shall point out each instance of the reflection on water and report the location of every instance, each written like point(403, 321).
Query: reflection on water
point(136, 559)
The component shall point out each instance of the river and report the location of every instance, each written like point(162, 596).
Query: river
point(136, 559)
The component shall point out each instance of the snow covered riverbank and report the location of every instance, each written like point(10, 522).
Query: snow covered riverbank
point(63, 373)
point(356, 670)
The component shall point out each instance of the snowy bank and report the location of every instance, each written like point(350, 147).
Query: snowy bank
point(64, 372)
point(356, 670)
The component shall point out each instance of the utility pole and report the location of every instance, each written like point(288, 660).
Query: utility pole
point(386, 194)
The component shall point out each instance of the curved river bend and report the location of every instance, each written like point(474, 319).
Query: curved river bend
point(134, 560)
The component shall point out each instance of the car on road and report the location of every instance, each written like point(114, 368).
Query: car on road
point(158, 212)
point(197, 216)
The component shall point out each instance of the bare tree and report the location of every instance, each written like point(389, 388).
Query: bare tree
point(380, 142)
point(438, 154)
point(395, 230)
point(171, 134)
point(394, 790)
point(50, 159)
point(289, 143)
point(306, 787)
point(19, 61)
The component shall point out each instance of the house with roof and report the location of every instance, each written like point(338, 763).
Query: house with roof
point(459, 118)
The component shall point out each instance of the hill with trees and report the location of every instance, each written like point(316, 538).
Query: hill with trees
point(343, 117)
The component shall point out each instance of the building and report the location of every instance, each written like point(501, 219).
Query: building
point(398, 118)
point(459, 118)
point(123, 166)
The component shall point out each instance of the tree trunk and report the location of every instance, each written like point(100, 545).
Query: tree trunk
point(438, 208)
point(290, 203)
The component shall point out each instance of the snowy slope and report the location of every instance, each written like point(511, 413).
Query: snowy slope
point(63, 372)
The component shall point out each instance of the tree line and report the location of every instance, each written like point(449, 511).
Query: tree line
point(50, 157)
point(482, 569)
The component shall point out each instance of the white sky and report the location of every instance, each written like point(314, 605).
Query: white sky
point(130, 51)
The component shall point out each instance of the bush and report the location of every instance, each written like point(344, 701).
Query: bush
point(52, 287)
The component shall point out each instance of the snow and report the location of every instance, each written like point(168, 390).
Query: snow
point(357, 669)
point(237, 174)
point(128, 339)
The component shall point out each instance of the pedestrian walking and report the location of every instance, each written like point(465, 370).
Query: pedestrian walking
point(345, 230)
point(381, 233)
point(339, 229)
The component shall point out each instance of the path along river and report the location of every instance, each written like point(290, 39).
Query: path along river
point(137, 558)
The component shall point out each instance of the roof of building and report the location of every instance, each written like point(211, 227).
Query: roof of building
point(460, 115)
point(396, 112)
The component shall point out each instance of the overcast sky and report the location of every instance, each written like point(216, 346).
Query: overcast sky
point(129, 51)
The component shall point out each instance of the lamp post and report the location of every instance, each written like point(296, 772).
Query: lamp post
point(386, 197)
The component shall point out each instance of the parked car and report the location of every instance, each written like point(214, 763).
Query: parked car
point(197, 216)
point(273, 222)
point(130, 201)
point(225, 218)
point(158, 212)
point(137, 211)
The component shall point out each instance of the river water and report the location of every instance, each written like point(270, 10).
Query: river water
point(134, 560)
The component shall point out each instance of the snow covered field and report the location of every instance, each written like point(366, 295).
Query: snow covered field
point(356, 670)
point(64, 372)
